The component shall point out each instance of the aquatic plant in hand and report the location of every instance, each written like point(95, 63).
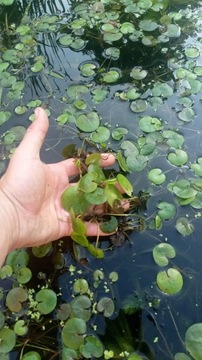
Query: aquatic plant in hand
point(95, 198)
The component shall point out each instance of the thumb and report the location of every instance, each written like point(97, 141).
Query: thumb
point(35, 134)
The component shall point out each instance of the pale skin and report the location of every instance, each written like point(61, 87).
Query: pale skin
point(31, 213)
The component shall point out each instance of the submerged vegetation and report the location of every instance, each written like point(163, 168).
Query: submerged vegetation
point(123, 77)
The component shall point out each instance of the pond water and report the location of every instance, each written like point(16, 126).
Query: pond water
point(137, 65)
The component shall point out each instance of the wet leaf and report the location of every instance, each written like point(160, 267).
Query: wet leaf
point(174, 139)
point(92, 347)
point(20, 328)
point(7, 337)
point(97, 197)
point(65, 40)
point(112, 53)
point(157, 176)
point(170, 281)
point(162, 253)
point(106, 306)
point(110, 225)
point(42, 250)
point(166, 210)
point(138, 73)
point(23, 275)
point(178, 158)
point(193, 341)
point(148, 25)
point(80, 286)
point(197, 167)
point(162, 89)
point(118, 133)
point(184, 227)
point(31, 355)
point(101, 135)
point(150, 124)
point(15, 298)
point(125, 184)
point(88, 69)
point(138, 105)
point(80, 239)
point(111, 76)
point(47, 301)
point(181, 356)
point(37, 67)
point(137, 163)
point(72, 198)
point(192, 52)
point(72, 333)
point(88, 122)
point(186, 115)
point(99, 95)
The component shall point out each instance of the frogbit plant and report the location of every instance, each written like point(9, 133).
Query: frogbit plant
point(95, 198)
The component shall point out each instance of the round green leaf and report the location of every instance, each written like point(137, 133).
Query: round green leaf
point(111, 76)
point(166, 210)
point(20, 110)
point(186, 115)
point(65, 40)
point(173, 139)
point(150, 124)
point(148, 25)
point(15, 298)
point(80, 286)
point(7, 340)
point(178, 158)
point(47, 300)
point(38, 66)
point(31, 355)
point(80, 307)
point(20, 328)
point(101, 134)
point(137, 163)
point(184, 227)
point(106, 306)
point(72, 333)
point(162, 252)
point(162, 89)
point(192, 52)
point(92, 347)
point(73, 198)
point(87, 69)
point(197, 167)
point(181, 356)
point(118, 133)
point(96, 197)
point(156, 176)
point(23, 275)
point(170, 281)
point(88, 122)
point(138, 74)
point(42, 250)
point(193, 341)
point(138, 105)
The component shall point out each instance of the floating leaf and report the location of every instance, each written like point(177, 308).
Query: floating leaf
point(23, 275)
point(186, 115)
point(113, 276)
point(88, 122)
point(118, 133)
point(7, 337)
point(156, 176)
point(174, 139)
point(111, 76)
point(166, 210)
point(101, 135)
point(178, 158)
point(181, 356)
point(20, 328)
point(193, 341)
point(20, 110)
point(92, 347)
point(72, 333)
point(99, 95)
point(112, 53)
point(170, 281)
point(137, 163)
point(15, 298)
point(42, 250)
point(162, 252)
point(65, 40)
point(138, 105)
point(106, 305)
point(81, 286)
point(197, 167)
point(47, 300)
point(38, 66)
point(184, 227)
point(88, 69)
point(148, 25)
point(162, 89)
point(192, 52)
point(31, 355)
point(150, 124)
point(138, 74)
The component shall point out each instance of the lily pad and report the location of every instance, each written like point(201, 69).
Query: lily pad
point(72, 333)
point(150, 124)
point(138, 105)
point(148, 25)
point(88, 122)
point(166, 210)
point(192, 52)
point(31, 355)
point(178, 158)
point(138, 73)
point(156, 176)
point(170, 281)
point(197, 167)
point(8, 340)
point(111, 76)
point(92, 347)
point(118, 133)
point(193, 341)
point(186, 115)
point(162, 253)
point(106, 305)
point(184, 227)
point(101, 134)
point(15, 298)
point(162, 89)
point(47, 300)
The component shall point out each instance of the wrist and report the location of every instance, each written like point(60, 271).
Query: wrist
point(8, 225)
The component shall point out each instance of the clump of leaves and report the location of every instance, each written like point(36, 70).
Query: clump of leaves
point(96, 198)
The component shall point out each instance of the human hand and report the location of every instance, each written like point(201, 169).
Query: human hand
point(30, 193)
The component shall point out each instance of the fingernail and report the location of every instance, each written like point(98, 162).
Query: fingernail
point(37, 112)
